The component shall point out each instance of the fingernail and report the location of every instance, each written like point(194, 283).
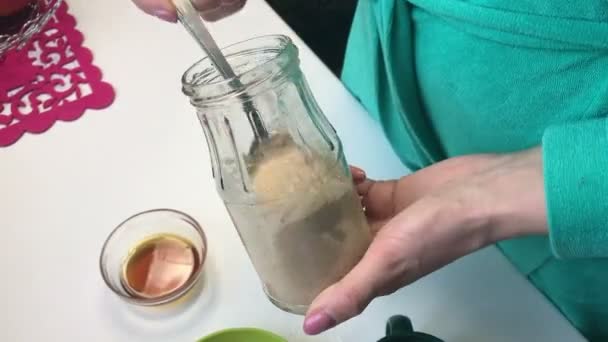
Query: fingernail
point(358, 173)
point(318, 323)
point(164, 14)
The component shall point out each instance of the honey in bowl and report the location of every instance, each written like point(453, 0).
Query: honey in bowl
point(159, 266)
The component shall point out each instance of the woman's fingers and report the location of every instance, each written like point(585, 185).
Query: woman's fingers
point(358, 174)
point(206, 5)
point(377, 197)
point(209, 9)
point(162, 9)
point(213, 10)
point(382, 270)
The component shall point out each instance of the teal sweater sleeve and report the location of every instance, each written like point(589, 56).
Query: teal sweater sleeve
point(575, 158)
point(492, 79)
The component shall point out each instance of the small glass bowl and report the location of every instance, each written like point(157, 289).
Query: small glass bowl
point(138, 228)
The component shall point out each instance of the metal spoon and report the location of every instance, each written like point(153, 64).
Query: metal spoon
point(192, 21)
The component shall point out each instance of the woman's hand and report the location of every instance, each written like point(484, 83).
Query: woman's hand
point(430, 218)
point(211, 10)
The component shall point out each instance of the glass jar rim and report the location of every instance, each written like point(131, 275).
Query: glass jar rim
point(204, 85)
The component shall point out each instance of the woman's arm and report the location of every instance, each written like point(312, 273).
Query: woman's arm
point(436, 215)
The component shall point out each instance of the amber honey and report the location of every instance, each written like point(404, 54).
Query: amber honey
point(159, 266)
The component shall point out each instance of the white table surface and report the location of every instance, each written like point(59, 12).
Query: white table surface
point(62, 192)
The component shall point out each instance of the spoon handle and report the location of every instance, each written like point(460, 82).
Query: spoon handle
point(194, 24)
point(192, 21)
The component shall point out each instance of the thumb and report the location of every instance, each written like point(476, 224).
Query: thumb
point(374, 275)
point(162, 9)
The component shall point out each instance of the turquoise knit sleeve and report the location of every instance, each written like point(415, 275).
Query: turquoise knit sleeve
point(575, 158)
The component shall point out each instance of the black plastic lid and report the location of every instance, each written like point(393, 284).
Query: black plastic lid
point(400, 329)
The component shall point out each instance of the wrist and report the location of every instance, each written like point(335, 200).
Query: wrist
point(516, 197)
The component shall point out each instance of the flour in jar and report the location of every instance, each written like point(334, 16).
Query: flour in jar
point(307, 229)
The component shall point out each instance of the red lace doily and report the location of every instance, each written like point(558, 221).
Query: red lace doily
point(51, 79)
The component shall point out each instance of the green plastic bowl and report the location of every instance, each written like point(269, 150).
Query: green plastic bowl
point(242, 335)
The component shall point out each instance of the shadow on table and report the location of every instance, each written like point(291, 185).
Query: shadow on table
point(165, 320)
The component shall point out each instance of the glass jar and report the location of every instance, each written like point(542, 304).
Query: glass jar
point(280, 170)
